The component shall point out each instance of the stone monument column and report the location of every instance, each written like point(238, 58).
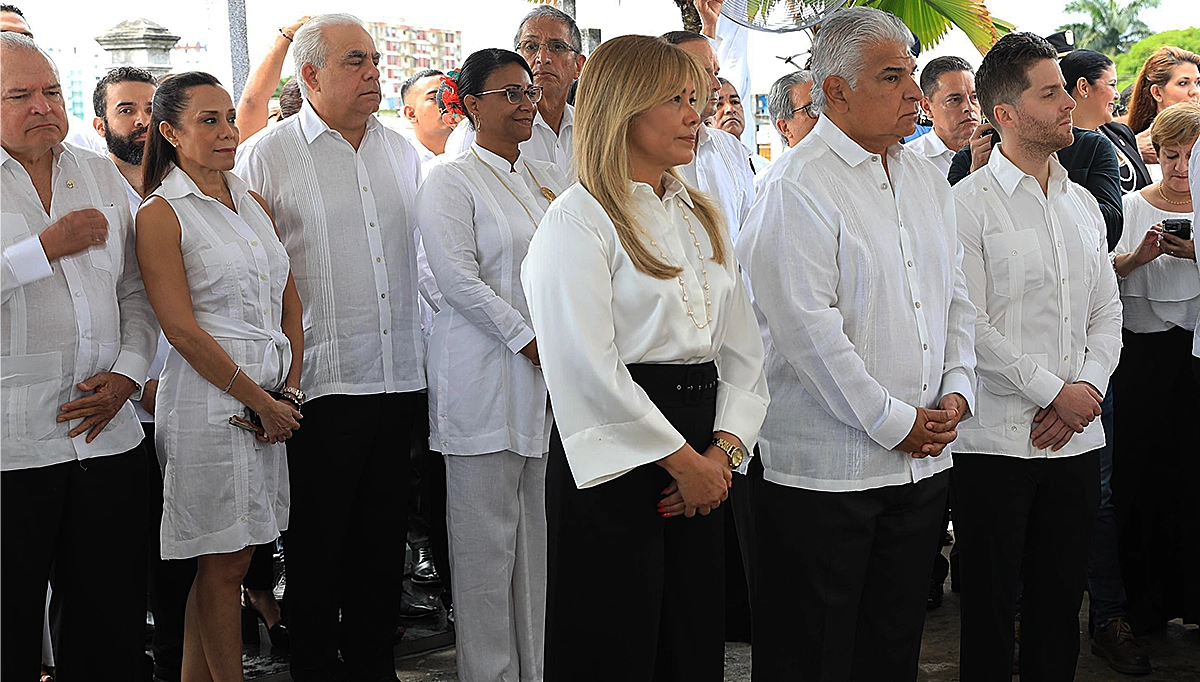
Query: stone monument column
point(141, 43)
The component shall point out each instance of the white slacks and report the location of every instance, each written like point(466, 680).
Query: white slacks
point(496, 521)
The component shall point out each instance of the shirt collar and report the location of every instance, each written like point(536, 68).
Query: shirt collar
point(56, 151)
point(568, 119)
point(850, 151)
point(1008, 176)
point(935, 146)
point(313, 125)
point(178, 184)
point(672, 188)
point(498, 162)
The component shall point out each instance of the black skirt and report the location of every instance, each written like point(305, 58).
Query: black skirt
point(631, 595)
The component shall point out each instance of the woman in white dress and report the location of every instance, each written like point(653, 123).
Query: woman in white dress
point(220, 284)
point(1156, 470)
point(487, 401)
point(654, 364)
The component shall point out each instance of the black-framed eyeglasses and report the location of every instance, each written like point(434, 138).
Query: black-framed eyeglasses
point(528, 48)
point(533, 92)
point(807, 109)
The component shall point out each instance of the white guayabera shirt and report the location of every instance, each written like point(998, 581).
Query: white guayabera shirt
point(1049, 311)
point(347, 220)
point(595, 313)
point(933, 148)
point(544, 145)
point(721, 169)
point(484, 396)
point(66, 321)
point(856, 280)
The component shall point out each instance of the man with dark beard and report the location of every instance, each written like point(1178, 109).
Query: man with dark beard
point(122, 101)
point(1048, 336)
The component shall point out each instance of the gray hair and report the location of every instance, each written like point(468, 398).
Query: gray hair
point(309, 46)
point(842, 41)
point(11, 40)
point(557, 15)
point(779, 99)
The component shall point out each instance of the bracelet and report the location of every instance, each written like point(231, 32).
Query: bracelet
point(285, 35)
point(235, 376)
point(293, 394)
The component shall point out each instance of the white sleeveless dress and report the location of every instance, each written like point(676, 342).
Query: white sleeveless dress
point(222, 489)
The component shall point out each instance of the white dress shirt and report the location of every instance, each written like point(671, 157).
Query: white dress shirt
point(1163, 293)
point(721, 169)
point(855, 276)
point(1194, 180)
point(544, 145)
point(83, 134)
point(1049, 309)
point(347, 220)
point(595, 313)
point(484, 396)
point(66, 321)
point(933, 148)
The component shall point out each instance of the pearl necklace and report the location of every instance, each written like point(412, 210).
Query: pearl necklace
point(703, 272)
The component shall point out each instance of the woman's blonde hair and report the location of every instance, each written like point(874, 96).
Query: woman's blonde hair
point(1156, 70)
point(1177, 125)
point(624, 78)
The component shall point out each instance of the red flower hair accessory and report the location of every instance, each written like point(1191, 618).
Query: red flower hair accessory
point(450, 96)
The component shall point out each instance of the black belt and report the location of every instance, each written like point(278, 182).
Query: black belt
point(679, 384)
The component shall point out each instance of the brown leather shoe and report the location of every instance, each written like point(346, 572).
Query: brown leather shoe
point(1114, 642)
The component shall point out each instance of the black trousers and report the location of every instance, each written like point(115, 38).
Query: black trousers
point(418, 522)
point(1041, 512)
point(349, 468)
point(1156, 478)
point(740, 539)
point(841, 580)
point(611, 553)
point(169, 580)
point(87, 520)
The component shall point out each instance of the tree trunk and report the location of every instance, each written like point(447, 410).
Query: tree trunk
point(239, 48)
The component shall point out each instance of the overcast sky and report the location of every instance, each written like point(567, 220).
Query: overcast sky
point(491, 23)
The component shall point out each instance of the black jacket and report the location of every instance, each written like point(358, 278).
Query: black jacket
point(1124, 139)
point(1090, 161)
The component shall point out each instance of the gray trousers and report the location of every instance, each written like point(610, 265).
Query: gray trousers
point(496, 520)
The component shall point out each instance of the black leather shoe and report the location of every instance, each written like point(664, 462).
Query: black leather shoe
point(1115, 643)
point(424, 572)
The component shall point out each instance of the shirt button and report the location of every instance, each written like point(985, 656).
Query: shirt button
point(925, 346)
point(385, 332)
point(378, 260)
point(1014, 253)
point(70, 184)
point(382, 295)
point(364, 188)
point(372, 224)
point(253, 243)
point(875, 159)
point(263, 277)
point(910, 264)
point(78, 294)
point(918, 304)
point(924, 387)
point(985, 189)
point(1014, 428)
point(1064, 319)
point(1066, 358)
point(229, 262)
point(883, 185)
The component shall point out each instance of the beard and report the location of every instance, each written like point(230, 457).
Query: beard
point(126, 148)
point(1045, 135)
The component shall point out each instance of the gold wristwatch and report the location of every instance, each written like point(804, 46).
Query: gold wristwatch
point(735, 453)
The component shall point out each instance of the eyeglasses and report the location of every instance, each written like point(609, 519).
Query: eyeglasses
point(528, 48)
point(807, 109)
point(533, 92)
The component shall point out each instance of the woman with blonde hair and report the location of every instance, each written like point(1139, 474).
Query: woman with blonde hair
point(1156, 474)
point(1169, 76)
point(654, 364)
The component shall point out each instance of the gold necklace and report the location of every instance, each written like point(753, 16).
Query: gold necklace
point(545, 190)
point(703, 271)
point(1173, 203)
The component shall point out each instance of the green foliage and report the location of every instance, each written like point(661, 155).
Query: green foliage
point(1110, 28)
point(1129, 63)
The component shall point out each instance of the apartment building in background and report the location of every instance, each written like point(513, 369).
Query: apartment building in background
point(405, 50)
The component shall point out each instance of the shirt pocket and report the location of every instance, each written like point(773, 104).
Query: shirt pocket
point(13, 228)
point(224, 266)
point(101, 256)
point(1092, 250)
point(31, 387)
point(1014, 261)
